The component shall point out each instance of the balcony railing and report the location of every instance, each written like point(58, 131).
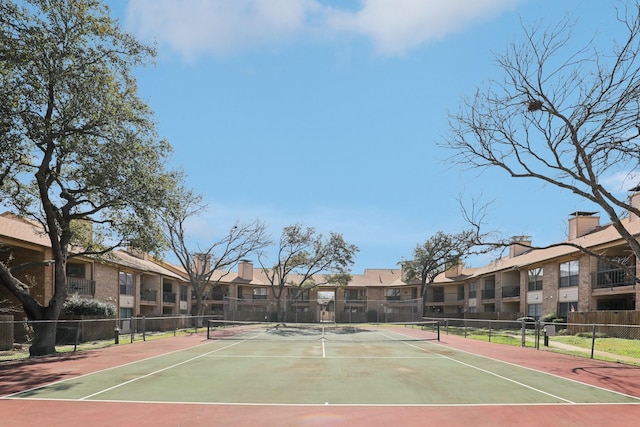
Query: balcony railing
point(149, 295)
point(81, 286)
point(510, 291)
point(613, 278)
point(438, 297)
point(488, 294)
point(169, 297)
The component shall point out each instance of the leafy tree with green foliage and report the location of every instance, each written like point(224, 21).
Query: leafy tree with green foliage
point(302, 253)
point(83, 158)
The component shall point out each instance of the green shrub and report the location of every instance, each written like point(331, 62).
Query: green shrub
point(549, 318)
point(88, 307)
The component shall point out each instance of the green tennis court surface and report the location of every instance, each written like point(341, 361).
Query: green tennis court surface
point(281, 365)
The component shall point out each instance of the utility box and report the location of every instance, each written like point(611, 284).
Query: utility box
point(550, 330)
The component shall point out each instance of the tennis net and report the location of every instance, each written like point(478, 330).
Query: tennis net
point(270, 331)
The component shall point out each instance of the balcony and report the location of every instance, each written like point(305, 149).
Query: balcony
point(613, 278)
point(81, 286)
point(511, 292)
point(488, 294)
point(438, 297)
point(169, 297)
point(148, 295)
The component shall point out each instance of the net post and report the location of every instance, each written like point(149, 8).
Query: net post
point(438, 329)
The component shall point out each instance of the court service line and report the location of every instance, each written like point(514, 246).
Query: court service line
point(104, 370)
point(161, 370)
point(545, 373)
point(486, 371)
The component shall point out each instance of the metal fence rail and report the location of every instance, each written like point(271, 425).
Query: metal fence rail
point(615, 342)
point(598, 341)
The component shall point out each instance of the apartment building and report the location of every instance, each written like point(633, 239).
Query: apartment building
point(555, 280)
point(526, 281)
point(136, 284)
point(375, 295)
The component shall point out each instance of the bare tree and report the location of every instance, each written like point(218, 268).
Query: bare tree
point(302, 254)
point(220, 256)
point(567, 117)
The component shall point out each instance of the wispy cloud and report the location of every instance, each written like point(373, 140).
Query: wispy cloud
point(622, 181)
point(197, 27)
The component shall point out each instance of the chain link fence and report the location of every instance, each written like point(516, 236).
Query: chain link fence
point(612, 342)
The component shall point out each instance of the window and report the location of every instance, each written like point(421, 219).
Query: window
point(297, 294)
point(438, 294)
point(460, 292)
point(353, 294)
point(260, 293)
point(566, 307)
point(569, 274)
point(392, 293)
point(490, 283)
point(534, 310)
point(183, 293)
point(76, 270)
point(535, 279)
point(126, 283)
point(472, 290)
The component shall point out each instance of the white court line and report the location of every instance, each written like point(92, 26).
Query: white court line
point(163, 369)
point(357, 405)
point(546, 373)
point(103, 370)
point(491, 373)
point(527, 368)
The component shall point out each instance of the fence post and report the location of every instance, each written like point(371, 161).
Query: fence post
point(144, 328)
point(132, 327)
point(75, 346)
point(524, 333)
point(490, 324)
point(593, 340)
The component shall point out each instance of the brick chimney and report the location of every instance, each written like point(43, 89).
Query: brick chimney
point(582, 223)
point(245, 270)
point(519, 245)
point(454, 271)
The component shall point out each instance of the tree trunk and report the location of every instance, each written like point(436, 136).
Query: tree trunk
point(200, 308)
point(44, 338)
point(279, 311)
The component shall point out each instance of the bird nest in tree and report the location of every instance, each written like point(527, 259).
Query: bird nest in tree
point(535, 105)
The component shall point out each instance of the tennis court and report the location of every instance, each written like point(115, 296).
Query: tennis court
point(320, 375)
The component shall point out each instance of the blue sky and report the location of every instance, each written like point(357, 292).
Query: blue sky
point(328, 113)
